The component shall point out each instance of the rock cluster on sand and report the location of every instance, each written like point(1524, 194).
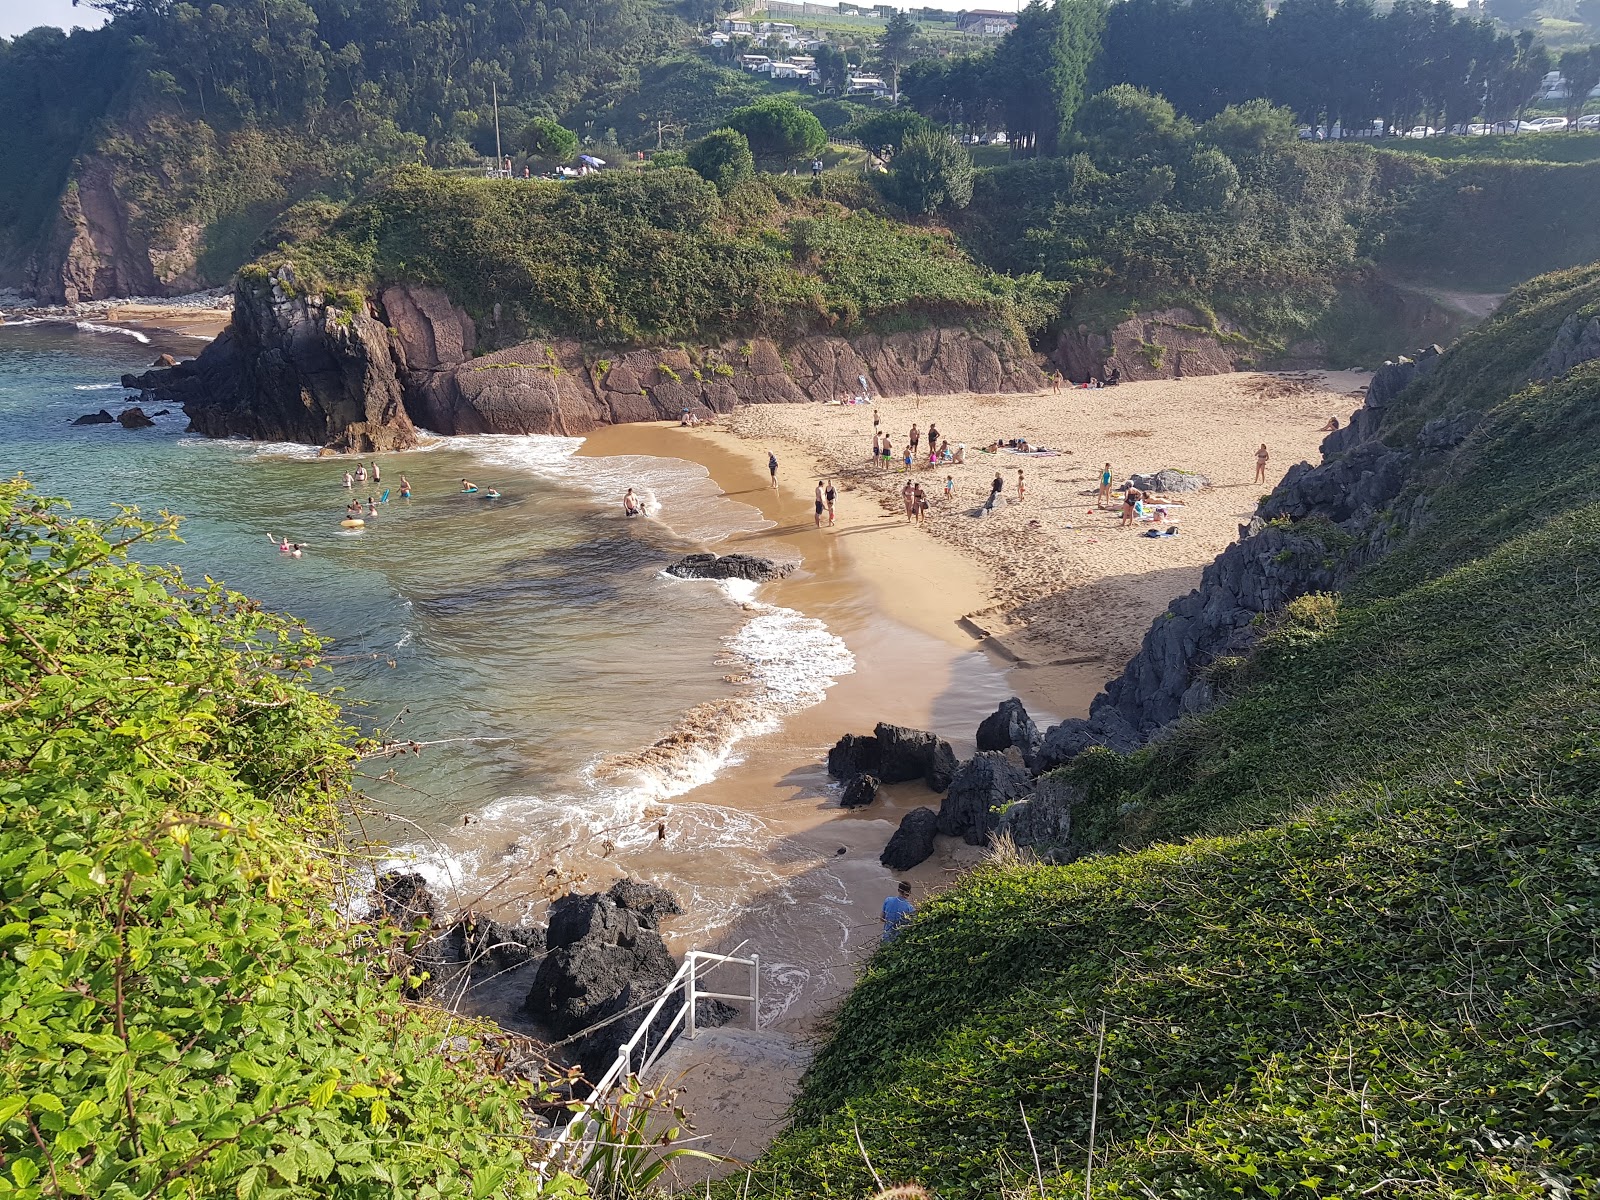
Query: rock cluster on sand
point(1168, 480)
point(912, 843)
point(893, 754)
point(729, 566)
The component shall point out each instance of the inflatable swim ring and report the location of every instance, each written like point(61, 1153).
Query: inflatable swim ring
point(352, 522)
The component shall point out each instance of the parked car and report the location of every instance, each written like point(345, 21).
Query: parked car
point(1592, 121)
point(1543, 125)
point(1421, 131)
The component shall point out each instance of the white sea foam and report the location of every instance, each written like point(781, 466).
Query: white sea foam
point(97, 387)
point(15, 321)
point(92, 327)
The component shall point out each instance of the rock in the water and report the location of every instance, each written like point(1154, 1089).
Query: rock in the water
point(986, 782)
point(912, 843)
point(852, 755)
point(164, 360)
point(859, 792)
point(1170, 479)
point(506, 946)
point(646, 901)
point(729, 566)
point(907, 754)
point(1009, 725)
point(99, 418)
point(134, 418)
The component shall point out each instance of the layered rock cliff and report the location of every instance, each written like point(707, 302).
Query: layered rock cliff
point(296, 368)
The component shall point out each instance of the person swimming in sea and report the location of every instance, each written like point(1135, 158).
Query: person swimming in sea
point(630, 504)
point(491, 494)
point(468, 486)
point(372, 507)
point(352, 511)
point(405, 488)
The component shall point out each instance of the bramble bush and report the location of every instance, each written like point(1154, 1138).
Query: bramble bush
point(185, 1012)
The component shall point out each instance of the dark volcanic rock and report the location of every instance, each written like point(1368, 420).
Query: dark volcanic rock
point(942, 769)
point(134, 418)
point(164, 360)
point(99, 418)
point(729, 566)
point(505, 946)
point(430, 954)
point(291, 368)
point(912, 843)
point(646, 901)
point(852, 755)
point(907, 754)
point(985, 782)
point(1009, 725)
point(861, 791)
point(1044, 819)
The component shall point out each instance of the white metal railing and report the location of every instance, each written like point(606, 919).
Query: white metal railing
point(638, 1054)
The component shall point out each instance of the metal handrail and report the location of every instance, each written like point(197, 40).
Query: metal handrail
point(622, 1066)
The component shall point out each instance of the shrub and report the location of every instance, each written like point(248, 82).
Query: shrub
point(931, 172)
point(544, 138)
point(779, 129)
point(884, 133)
point(723, 158)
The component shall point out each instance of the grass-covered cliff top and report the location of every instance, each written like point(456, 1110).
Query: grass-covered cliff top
point(657, 255)
point(186, 1013)
point(1350, 948)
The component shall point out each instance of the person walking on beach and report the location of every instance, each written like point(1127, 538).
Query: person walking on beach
point(821, 503)
point(1022, 488)
point(1129, 503)
point(995, 489)
point(907, 496)
point(877, 447)
point(949, 487)
point(772, 467)
point(1105, 487)
point(829, 495)
point(897, 910)
point(1261, 463)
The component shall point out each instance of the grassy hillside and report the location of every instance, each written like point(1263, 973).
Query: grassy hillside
point(1340, 939)
point(658, 255)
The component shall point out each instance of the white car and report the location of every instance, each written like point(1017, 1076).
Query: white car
point(1421, 131)
point(1543, 125)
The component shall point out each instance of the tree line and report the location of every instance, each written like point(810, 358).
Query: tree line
point(1329, 61)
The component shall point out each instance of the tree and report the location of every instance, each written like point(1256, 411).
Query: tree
point(929, 173)
point(1520, 63)
point(1243, 130)
point(722, 158)
point(1581, 70)
point(882, 133)
point(1206, 179)
point(896, 46)
point(1040, 70)
point(779, 129)
point(1126, 126)
point(833, 69)
point(1518, 14)
point(544, 138)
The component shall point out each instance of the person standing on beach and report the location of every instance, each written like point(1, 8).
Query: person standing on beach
point(877, 447)
point(908, 499)
point(820, 504)
point(920, 503)
point(916, 437)
point(1022, 488)
point(888, 452)
point(949, 487)
point(772, 467)
point(1129, 501)
point(995, 489)
point(829, 497)
point(1105, 487)
point(1261, 463)
point(897, 910)
point(933, 438)
point(908, 458)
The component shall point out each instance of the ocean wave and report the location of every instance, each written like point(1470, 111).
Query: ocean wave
point(15, 321)
point(92, 327)
point(98, 387)
point(678, 494)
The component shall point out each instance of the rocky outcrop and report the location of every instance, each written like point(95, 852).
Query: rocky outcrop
point(1576, 342)
point(894, 754)
point(134, 418)
point(1043, 820)
point(92, 251)
point(1170, 344)
point(984, 785)
point(729, 566)
point(912, 842)
point(503, 946)
point(1169, 479)
point(859, 792)
point(430, 954)
point(95, 418)
point(291, 368)
point(1008, 726)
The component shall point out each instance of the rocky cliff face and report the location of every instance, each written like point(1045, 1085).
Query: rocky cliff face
point(92, 252)
point(293, 369)
point(1170, 344)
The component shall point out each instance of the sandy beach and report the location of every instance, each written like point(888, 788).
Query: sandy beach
point(1064, 593)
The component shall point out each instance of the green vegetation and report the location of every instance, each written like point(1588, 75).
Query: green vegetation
point(659, 256)
point(186, 1013)
point(544, 138)
point(723, 158)
point(930, 172)
point(1338, 937)
point(1571, 147)
point(779, 130)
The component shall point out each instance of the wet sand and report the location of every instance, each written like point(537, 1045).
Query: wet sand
point(171, 318)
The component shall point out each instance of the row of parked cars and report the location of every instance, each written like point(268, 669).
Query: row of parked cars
point(1378, 130)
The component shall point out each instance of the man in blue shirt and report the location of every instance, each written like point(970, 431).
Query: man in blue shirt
point(897, 911)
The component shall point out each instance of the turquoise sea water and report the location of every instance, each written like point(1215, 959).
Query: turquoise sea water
point(531, 641)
